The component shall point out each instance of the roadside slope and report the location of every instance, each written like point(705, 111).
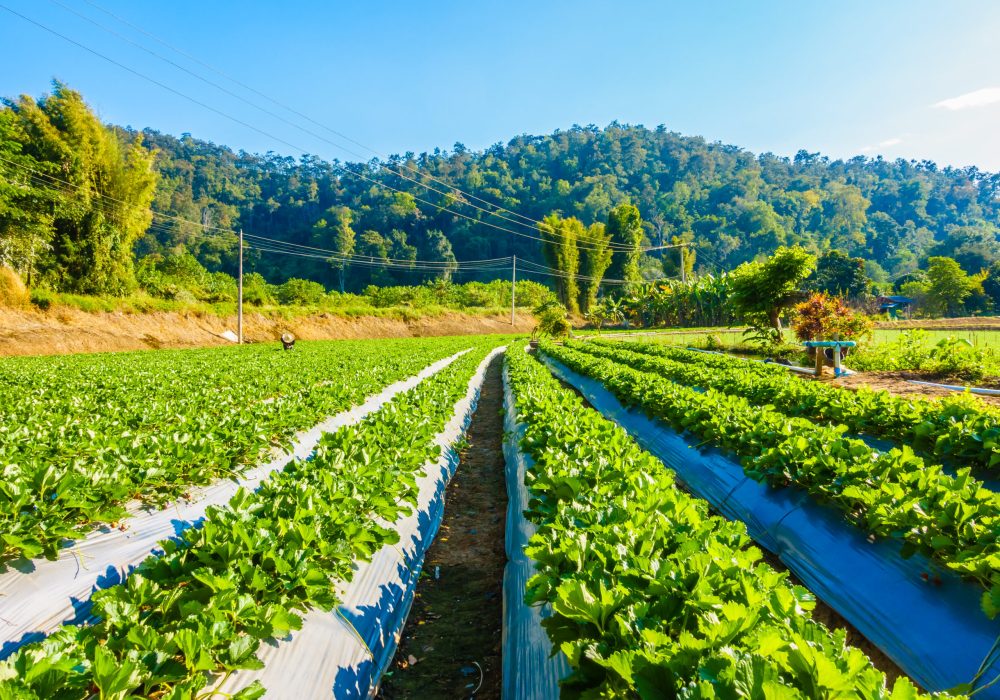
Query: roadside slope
point(66, 330)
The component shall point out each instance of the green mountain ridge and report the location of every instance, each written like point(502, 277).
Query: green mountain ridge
point(729, 204)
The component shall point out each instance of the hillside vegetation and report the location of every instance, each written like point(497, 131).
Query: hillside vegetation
point(75, 197)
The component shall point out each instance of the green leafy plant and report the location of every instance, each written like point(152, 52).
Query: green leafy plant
point(86, 434)
point(183, 622)
point(552, 320)
point(823, 317)
point(949, 357)
point(950, 519)
point(651, 595)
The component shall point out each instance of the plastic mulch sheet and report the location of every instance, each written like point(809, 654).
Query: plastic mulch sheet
point(343, 653)
point(39, 595)
point(530, 671)
point(935, 632)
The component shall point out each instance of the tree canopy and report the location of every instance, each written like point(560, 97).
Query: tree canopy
point(98, 184)
point(762, 290)
point(651, 186)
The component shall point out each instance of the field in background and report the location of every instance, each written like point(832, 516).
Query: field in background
point(988, 338)
point(963, 355)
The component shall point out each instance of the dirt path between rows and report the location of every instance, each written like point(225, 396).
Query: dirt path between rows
point(451, 645)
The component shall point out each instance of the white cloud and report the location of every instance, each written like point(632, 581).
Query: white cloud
point(976, 98)
point(888, 143)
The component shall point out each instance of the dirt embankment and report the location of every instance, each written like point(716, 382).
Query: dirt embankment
point(898, 383)
point(968, 323)
point(66, 330)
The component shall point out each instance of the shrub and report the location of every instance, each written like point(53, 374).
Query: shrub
point(552, 320)
point(42, 298)
point(257, 291)
point(823, 317)
point(183, 278)
point(300, 292)
point(953, 357)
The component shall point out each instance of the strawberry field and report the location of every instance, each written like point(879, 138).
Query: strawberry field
point(245, 522)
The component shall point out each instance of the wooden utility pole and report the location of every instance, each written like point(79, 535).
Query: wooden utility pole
point(513, 286)
point(683, 264)
point(239, 303)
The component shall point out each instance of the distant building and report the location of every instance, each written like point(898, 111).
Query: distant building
point(895, 305)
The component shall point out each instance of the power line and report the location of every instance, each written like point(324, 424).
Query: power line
point(241, 122)
point(544, 269)
point(204, 227)
point(294, 111)
point(532, 223)
point(276, 246)
point(378, 263)
point(307, 248)
point(229, 92)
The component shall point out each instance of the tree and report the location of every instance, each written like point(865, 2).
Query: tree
point(26, 206)
point(760, 291)
point(376, 251)
point(991, 285)
point(402, 253)
point(595, 258)
point(439, 249)
point(559, 246)
point(840, 275)
point(106, 207)
point(883, 235)
point(974, 247)
point(625, 230)
point(338, 235)
point(948, 286)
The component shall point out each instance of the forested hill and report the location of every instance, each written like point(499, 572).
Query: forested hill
point(730, 204)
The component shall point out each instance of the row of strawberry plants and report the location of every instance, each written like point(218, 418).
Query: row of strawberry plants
point(709, 359)
point(959, 429)
point(651, 595)
point(183, 622)
point(80, 437)
point(954, 520)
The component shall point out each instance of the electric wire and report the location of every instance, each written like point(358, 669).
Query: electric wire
point(272, 245)
point(229, 92)
point(50, 179)
point(247, 125)
point(299, 114)
point(532, 223)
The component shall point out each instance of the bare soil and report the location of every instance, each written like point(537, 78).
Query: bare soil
point(451, 644)
point(968, 323)
point(66, 330)
point(897, 383)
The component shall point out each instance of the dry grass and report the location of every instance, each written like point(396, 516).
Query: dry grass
point(13, 293)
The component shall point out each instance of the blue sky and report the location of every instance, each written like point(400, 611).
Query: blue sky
point(908, 79)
